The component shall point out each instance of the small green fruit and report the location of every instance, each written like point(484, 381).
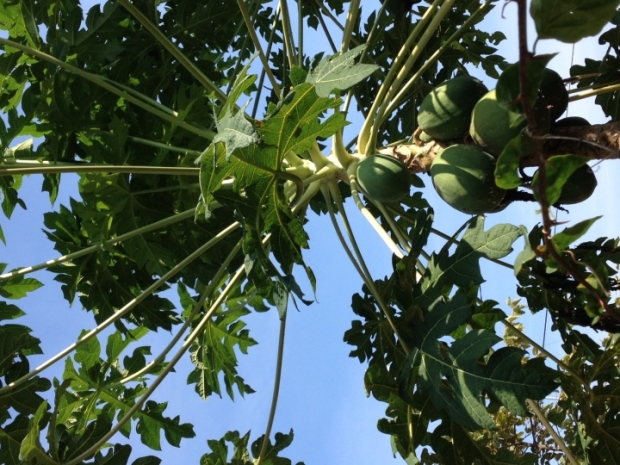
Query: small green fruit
point(552, 94)
point(491, 123)
point(446, 111)
point(384, 178)
point(578, 187)
point(463, 176)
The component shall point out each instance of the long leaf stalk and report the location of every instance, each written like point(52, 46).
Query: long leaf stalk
point(44, 167)
point(354, 9)
point(276, 390)
point(261, 79)
point(408, 86)
point(127, 308)
point(300, 35)
point(366, 276)
point(369, 217)
point(173, 50)
point(369, 43)
point(407, 66)
point(593, 92)
point(548, 354)
point(332, 216)
point(287, 30)
point(250, 26)
point(110, 242)
point(168, 368)
point(369, 122)
point(189, 320)
point(328, 36)
point(168, 116)
point(158, 145)
point(558, 440)
point(403, 240)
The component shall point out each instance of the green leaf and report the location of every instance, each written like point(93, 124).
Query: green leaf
point(213, 353)
point(571, 20)
point(17, 287)
point(87, 354)
point(463, 268)
point(454, 376)
point(507, 166)
point(558, 170)
point(151, 423)
point(31, 449)
point(569, 235)
point(235, 132)
point(339, 72)
point(16, 340)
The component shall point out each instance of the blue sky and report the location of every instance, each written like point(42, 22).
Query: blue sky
point(322, 396)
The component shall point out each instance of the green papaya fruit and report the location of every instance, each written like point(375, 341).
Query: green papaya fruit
point(463, 176)
point(383, 178)
point(494, 124)
point(446, 111)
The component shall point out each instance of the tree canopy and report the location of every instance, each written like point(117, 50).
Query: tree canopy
point(203, 137)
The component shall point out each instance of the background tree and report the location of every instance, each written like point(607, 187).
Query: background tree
point(205, 135)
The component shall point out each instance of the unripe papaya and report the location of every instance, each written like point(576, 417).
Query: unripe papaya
point(578, 187)
point(463, 176)
point(446, 111)
point(383, 178)
point(552, 94)
point(491, 124)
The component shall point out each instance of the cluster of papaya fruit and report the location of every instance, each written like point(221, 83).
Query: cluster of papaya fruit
point(463, 174)
point(464, 110)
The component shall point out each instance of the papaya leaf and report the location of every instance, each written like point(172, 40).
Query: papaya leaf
point(571, 20)
point(296, 125)
point(282, 441)
point(453, 375)
point(152, 422)
point(569, 235)
point(235, 131)
point(463, 268)
point(339, 72)
point(87, 354)
point(118, 455)
point(559, 168)
point(31, 449)
point(213, 353)
point(17, 287)
point(11, 437)
point(527, 253)
point(506, 168)
point(219, 450)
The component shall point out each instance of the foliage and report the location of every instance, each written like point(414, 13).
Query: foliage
point(201, 132)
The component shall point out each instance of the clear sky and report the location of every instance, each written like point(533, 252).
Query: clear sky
point(322, 395)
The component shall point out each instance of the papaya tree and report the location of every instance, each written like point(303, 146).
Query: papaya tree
point(187, 148)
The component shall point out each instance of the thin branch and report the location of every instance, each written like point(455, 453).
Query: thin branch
point(110, 242)
point(288, 34)
point(559, 441)
point(366, 276)
point(128, 307)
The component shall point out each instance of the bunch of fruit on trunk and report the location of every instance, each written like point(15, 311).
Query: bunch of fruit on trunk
point(462, 110)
